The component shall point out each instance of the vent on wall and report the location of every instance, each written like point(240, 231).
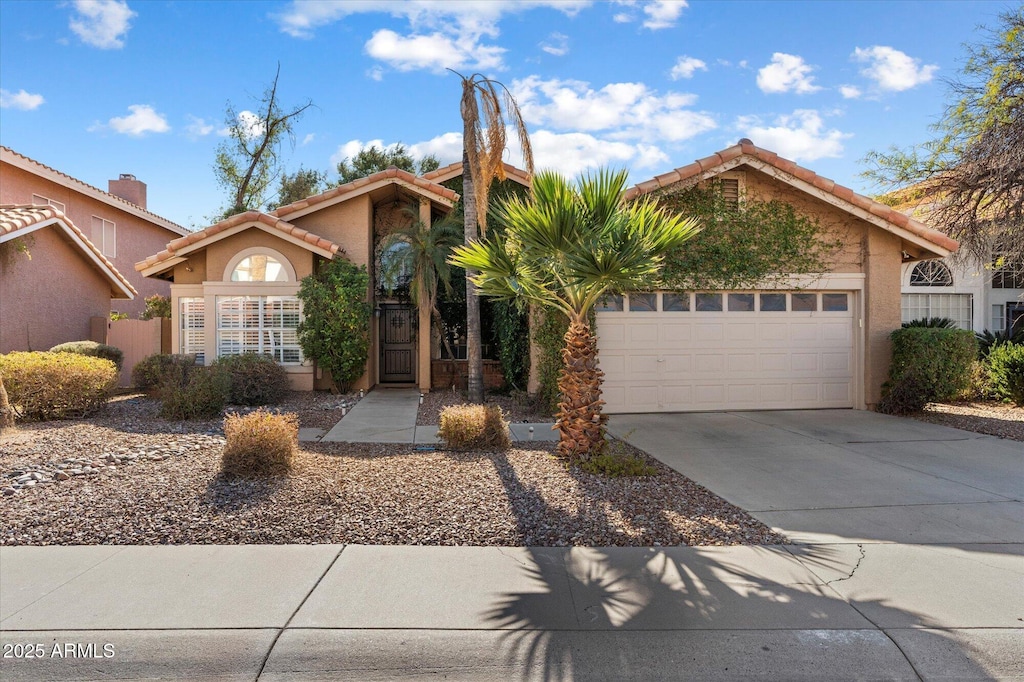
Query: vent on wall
point(731, 192)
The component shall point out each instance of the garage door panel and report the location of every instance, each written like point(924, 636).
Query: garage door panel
point(715, 360)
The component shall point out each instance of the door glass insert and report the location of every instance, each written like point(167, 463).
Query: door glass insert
point(709, 303)
point(834, 303)
point(805, 303)
point(643, 303)
point(675, 302)
point(773, 303)
point(742, 303)
point(609, 303)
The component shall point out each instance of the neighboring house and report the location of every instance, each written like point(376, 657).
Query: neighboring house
point(53, 280)
point(815, 342)
point(970, 293)
point(116, 222)
point(234, 284)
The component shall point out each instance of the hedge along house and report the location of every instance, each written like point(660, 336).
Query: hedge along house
point(234, 284)
point(803, 341)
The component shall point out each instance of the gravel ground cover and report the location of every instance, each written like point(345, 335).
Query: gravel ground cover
point(993, 418)
point(172, 492)
point(516, 409)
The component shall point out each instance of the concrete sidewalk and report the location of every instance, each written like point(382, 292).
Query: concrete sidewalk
point(490, 613)
point(388, 415)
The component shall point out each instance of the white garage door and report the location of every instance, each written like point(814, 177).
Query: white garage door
point(681, 352)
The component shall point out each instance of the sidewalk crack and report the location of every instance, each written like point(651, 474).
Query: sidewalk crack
point(863, 553)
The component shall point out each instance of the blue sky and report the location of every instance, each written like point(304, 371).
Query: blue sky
point(101, 87)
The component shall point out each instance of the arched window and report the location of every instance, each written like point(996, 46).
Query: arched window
point(931, 273)
point(259, 267)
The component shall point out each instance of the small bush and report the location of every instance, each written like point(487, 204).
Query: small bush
point(156, 306)
point(255, 379)
point(474, 426)
point(148, 373)
point(56, 385)
point(193, 392)
point(988, 340)
point(260, 443)
point(928, 364)
point(979, 387)
point(616, 464)
point(1006, 372)
point(93, 349)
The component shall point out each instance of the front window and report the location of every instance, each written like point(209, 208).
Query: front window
point(259, 324)
point(192, 330)
point(956, 307)
point(259, 268)
point(931, 273)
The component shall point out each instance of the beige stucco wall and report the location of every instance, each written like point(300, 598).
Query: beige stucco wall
point(49, 299)
point(220, 253)
point(883, 261)
point(136, 238)
point(348, 224)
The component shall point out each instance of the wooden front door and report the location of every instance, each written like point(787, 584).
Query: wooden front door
point(397, 344)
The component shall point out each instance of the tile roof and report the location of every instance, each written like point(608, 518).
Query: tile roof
point(269, 220)
point(746, 150)
point(362, 184)
point(454, 169)
point(14, 218)
point(99, 193)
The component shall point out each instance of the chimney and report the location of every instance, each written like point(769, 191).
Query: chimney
point(129, 189)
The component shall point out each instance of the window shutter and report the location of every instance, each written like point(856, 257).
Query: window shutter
point(109, 239)
point(97, 233)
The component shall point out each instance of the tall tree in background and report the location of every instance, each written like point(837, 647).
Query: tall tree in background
point(484, 106)
point(973, 171)
point(373, 159)
point(303, 183)
point(247, 162)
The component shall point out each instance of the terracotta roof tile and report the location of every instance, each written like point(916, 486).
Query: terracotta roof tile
point(209, 233)
point(747, 148)
point(455, 169)
point(17, 217)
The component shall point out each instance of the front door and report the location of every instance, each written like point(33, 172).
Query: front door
point(397, 344)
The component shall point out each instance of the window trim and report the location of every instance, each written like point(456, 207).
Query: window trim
point(101, 244)
point(260, 329)
point(45, 201)
point(289, 269)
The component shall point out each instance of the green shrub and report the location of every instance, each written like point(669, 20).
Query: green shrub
point(928, 364)
point(56, 385)
point(259, 443)
point(148, 373)
point(988, 340)
point(934, 322)
point(92, 349)
point(193, 391)
point(979, 386)
point(474, 426)
point(615, 465)
point(255, 379)
point(1006, 372)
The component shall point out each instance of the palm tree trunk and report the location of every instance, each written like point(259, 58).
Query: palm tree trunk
point(580, 422)
point(474, 356)
point(6, 411)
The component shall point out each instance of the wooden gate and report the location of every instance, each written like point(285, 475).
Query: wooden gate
point(136, 339)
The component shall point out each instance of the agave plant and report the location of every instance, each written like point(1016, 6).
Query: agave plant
point(989, 341)
point(932, 322)
point(563, 249)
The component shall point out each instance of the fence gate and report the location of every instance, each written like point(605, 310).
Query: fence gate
point(136, 339)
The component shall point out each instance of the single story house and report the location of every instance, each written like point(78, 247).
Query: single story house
point(53, 280)
point(819, 341)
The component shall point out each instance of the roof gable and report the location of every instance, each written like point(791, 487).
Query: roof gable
point(23, 162)
point(177, 250)
point(745, 153)
point(454, 170)
point(19, 220)
point(433, 191)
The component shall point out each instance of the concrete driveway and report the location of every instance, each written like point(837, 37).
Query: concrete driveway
point(918, 527)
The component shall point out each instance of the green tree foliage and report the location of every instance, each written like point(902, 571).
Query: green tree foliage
point(156, 306)
point(305, 182)
point(973, 168)
point(743, 245)
point(374, 159)
point(335, 329)
point(563, 250)
point(247, 162)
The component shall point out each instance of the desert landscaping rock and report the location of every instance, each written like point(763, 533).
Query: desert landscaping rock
point(993, 418)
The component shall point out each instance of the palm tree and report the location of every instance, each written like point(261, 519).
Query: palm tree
point(483, 143)
point(564, 249)
point(421, 255)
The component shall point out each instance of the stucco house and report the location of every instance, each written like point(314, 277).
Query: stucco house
point(819, 341)
point(234, 284)
point(117, 222)
point(53, 280)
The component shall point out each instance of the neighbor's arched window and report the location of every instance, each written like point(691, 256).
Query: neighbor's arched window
point(259, 267)
point(931, 273)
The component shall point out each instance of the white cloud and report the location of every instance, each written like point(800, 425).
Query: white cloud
point(443, 34)
point(799, 136)
point(435, 51)
point(353, 147)
point(686, 66)
point(142, 119)
point(622, 18)
point(786, 73)
point(556, 44)
point(663, 13)
point(447, 148)
point(23, 100)
point(849, 91)
point(893, 70)
point(375, 73)
point(197, 127)
point(628, 111)
point(102, 23)
point(308, 138)
point(252, 125)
